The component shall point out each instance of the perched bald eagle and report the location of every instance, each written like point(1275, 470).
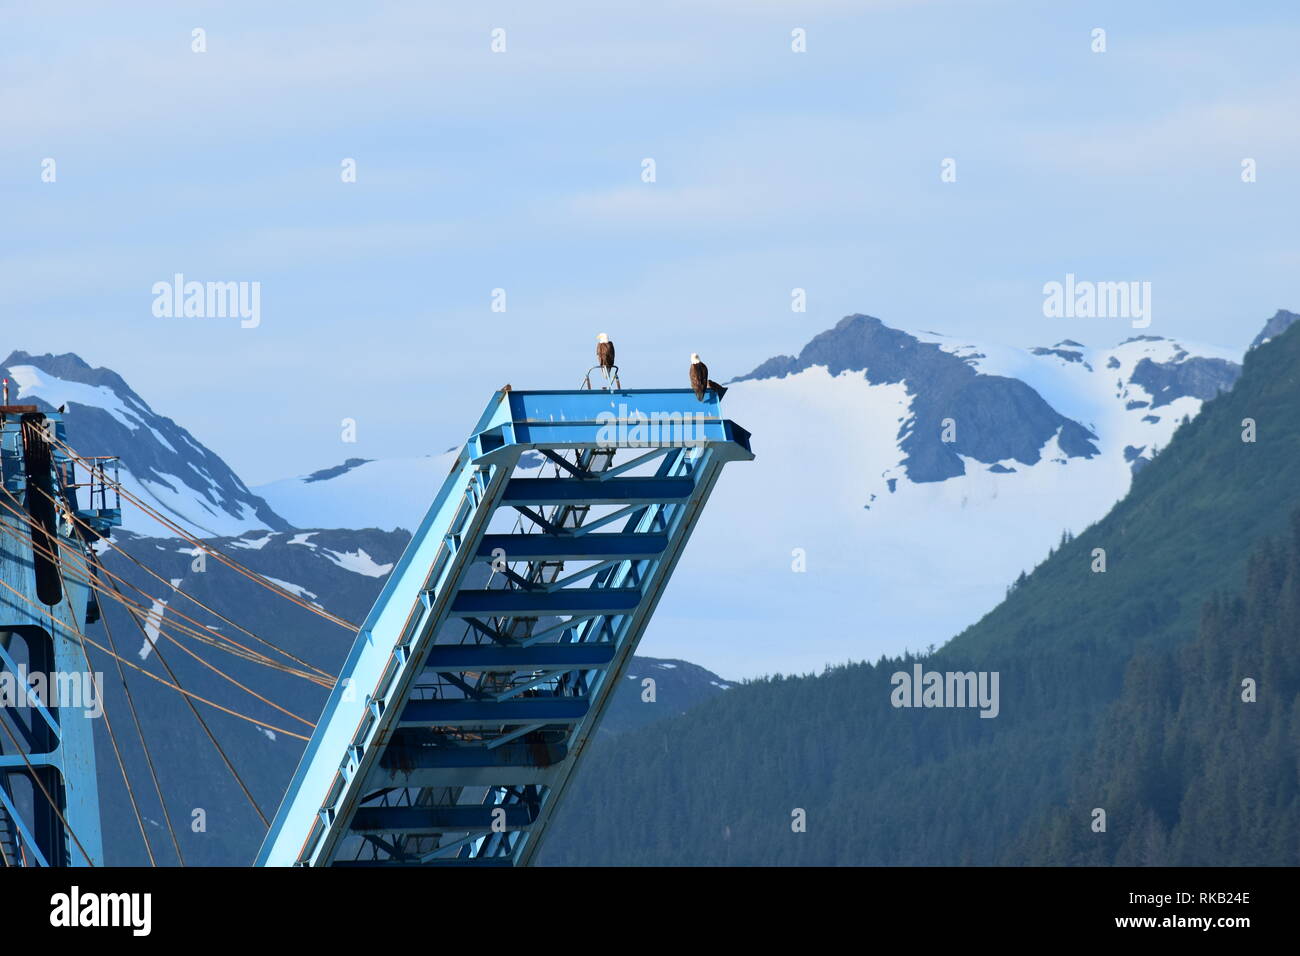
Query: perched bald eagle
point(700, 381)
point(604, 352)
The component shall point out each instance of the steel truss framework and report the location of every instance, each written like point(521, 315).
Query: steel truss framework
point(492, 651)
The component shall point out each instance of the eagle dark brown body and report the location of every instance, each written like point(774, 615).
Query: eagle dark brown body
point(700, 381)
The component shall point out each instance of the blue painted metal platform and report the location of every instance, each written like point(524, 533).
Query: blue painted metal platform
point(489, 657)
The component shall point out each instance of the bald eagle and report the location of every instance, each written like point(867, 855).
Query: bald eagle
point(700, 381)
point(604, 352)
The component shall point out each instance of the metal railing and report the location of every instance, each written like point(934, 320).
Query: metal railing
point(98, 483)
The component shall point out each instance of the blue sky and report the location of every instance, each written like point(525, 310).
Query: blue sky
point(522, 170)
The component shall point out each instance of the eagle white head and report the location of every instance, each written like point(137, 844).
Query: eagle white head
point(695, 358)
point(602, 338)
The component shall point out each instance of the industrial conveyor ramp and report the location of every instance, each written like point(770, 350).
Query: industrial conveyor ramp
point(496, 644)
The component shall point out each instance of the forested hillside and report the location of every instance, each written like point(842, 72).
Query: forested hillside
point(1197, 762)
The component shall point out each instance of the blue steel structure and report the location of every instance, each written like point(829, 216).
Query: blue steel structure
point(491, 653)
point(47, 749)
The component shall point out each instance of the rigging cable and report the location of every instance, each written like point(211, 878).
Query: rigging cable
point(88, 579)
point(135, 608)
point(144, 567)
point(220, 556)
point(108, 723)
point(144, 744)
point(176, 687)
point(199, 717)
point(208, 635)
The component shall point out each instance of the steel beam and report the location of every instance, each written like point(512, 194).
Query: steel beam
point(561, 491)
point(495, 657)
point(441, 819)
point(539, 710)
point(413, 758)
point(570, 547)
point(520, 603)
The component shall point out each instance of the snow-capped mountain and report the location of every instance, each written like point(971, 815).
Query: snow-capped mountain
point(1000, 406)
point(902, 482)
point(1131, 396)
point(912, 478)
point(161, 462)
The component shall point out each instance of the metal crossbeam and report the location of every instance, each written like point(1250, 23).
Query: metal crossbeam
point(522, 603)
point(438, 819)
point(423, 713)
point(569, 547)
point(490, 657)
point(464, 707)
point(560, 491)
